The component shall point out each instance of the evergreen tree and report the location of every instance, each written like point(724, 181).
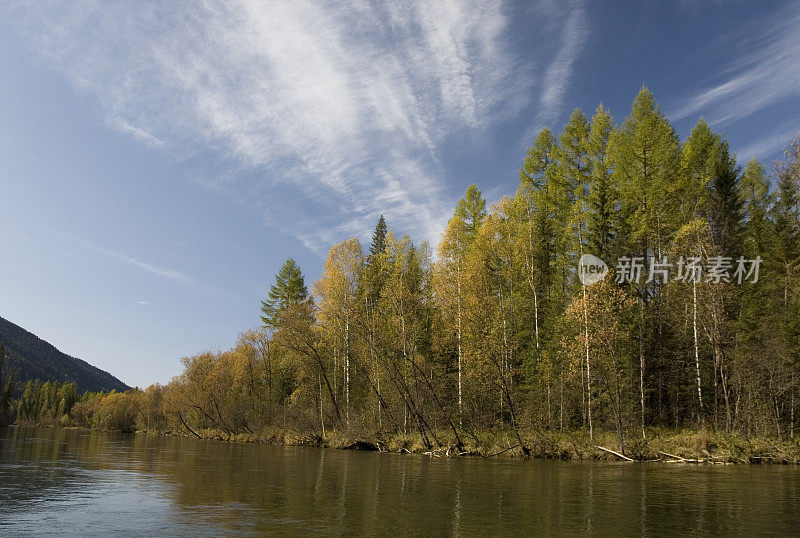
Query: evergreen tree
point(787, 231)
point(756, 202)
point(724, 204)
point(646, 161)
point(6, 390)
point(603, 196)
point(472, 210)
point(537, 160)
point(697, 161)
point(374, 269)
point(289, 289)
point(787, 219)
point(378, 238)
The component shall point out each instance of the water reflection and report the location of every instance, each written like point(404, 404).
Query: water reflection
point(80, 481)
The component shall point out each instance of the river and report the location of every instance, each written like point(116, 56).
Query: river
point(88, 482)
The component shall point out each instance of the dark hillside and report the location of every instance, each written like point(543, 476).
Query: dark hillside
point(30, 357)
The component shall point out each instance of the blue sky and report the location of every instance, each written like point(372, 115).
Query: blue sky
point(159, 163)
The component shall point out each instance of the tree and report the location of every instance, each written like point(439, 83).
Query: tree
point(538, 159)
point(646, 160)
point(613, 348)
point(378, 238)
point(374, 273)
point(340, 310)
point(575, 168)
point(787, 231)
point(7, 390)
point(471, 209)
point(603, 196)
point(462, 229)
point(724, 204)
point(289, 289)
point(498, 337)
point(698, 160)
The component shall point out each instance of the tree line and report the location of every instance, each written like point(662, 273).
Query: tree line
point(494, 332)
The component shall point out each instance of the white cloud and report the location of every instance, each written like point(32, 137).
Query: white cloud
point(767, 75)
point(765, 147)
point(136, 132)
point(166, 273)
point(556, 80)
point(345, 104)
point(152, 269)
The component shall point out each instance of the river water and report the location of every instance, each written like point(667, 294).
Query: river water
point(67, 482)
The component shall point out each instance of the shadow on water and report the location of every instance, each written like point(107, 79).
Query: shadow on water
point(58, 481)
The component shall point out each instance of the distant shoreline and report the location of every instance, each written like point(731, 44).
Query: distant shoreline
point(687, 447)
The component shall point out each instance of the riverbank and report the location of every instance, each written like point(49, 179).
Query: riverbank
point(661, 445)
point(669, 446)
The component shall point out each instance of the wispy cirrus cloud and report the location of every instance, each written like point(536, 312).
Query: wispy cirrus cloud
point(135, 132)
point(574, 35)
point(139, 264)
point(767, 75)
point(326, 113)
point(766, 146)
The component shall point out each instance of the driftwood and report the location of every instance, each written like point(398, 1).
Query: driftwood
point(679, 459)
point(673, 456)
point(617, 454)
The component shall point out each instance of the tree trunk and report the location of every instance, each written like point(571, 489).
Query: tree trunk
point(697, 351)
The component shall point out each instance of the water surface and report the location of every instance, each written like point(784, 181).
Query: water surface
point(88, 482)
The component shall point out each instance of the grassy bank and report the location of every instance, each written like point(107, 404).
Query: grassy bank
point(661, 445)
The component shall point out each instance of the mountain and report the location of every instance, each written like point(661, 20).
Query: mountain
point(30, 357)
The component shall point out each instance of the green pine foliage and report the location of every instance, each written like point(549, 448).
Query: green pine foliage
point(471, 210)
point(289, 289)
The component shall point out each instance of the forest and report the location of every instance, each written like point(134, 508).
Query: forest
point(30, 358)
point(492, 342)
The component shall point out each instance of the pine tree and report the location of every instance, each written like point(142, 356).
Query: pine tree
point(603, 196)
point(379, 238)
point(537, 160)
point(787, 231)
point(472, 210)
point(756, 201)
point(645, 156)
point(646, 160)
point(540, 186)
point(574, 176)
point(787, 219)
point(374, 270)
point(724, 205)
point(289, 289)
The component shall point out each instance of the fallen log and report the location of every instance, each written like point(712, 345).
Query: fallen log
point(673, 456)
point(617, 454)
